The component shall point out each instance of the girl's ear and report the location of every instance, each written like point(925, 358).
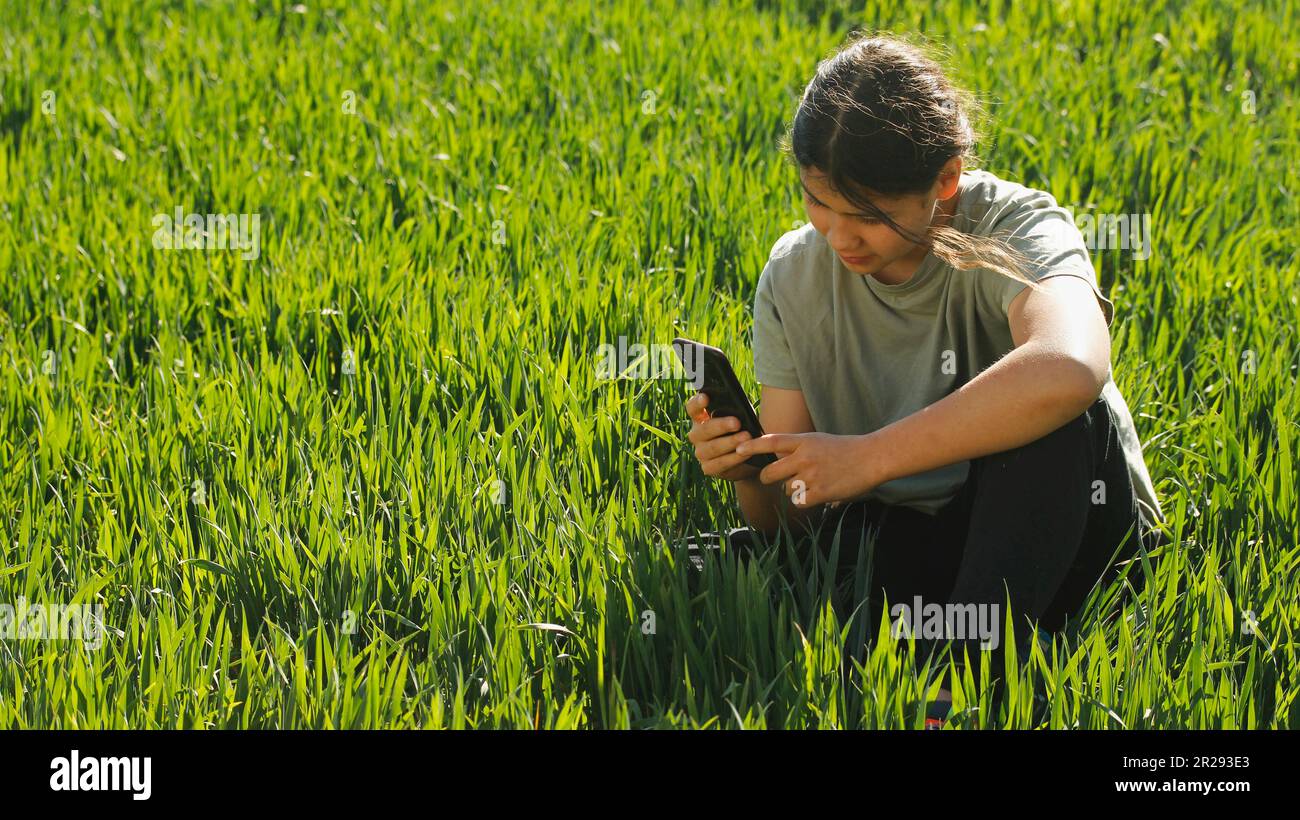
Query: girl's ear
point(949, 178)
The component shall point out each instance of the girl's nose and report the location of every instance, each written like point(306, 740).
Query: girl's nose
point(836, 236)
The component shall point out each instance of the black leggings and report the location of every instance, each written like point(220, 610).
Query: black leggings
point(1028, 518)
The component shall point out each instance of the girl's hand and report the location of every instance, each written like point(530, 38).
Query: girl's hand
point(819, 468)
point(715, 442)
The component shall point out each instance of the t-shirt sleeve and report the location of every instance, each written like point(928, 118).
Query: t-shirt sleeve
point(1045, 234)
point(773, 364)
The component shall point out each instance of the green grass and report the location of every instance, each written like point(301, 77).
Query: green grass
point(505, 199)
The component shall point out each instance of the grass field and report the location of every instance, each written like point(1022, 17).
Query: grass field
point(370, 477)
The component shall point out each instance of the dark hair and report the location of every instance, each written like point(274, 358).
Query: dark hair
point(881, 117)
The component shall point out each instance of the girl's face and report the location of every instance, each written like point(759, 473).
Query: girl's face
point(865, 244)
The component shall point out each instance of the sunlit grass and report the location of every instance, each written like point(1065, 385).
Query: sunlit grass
point(517, 185)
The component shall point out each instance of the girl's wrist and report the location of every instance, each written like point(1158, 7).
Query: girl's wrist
point(871, 452)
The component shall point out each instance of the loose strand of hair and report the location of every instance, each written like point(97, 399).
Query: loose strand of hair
point(965, 251)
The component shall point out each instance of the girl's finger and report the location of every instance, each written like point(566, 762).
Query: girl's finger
point(710, 448)
point(695, 406)
point(722, 426)
point(723, 445)
point(723, 464)
point(777, 471)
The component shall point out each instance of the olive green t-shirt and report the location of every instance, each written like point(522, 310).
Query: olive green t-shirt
point(866, 354)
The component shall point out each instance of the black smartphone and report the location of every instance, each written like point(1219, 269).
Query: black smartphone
point(712, 374)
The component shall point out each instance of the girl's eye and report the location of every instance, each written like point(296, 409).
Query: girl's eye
point(865, 220)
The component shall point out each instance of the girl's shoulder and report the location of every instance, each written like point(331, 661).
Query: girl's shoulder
point(797, 241)
point(990, 203)
point(793, 256)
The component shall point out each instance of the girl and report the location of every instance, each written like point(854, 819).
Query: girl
point(934, 359)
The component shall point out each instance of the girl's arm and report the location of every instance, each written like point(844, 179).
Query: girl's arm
point(1057, 370)
point(780, 411)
